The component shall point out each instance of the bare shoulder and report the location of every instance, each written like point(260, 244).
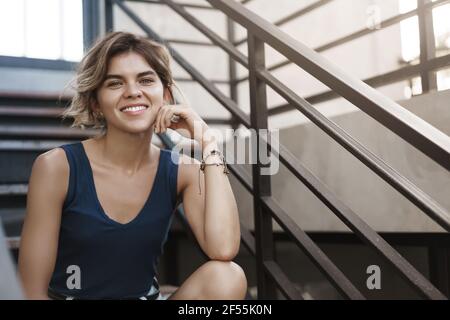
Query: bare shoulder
point(52, 162)
point(50, 174)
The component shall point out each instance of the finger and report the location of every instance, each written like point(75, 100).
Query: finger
point(177, 113)
point(169, 116)
point(164, 118)
point(162, 121)
point(157, 120)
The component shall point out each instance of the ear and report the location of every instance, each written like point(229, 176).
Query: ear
point(168, 97)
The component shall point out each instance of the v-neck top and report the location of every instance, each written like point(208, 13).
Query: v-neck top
point(101, 258)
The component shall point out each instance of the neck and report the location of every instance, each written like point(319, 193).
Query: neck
point(126, 151)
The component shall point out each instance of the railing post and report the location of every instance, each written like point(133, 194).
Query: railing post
point(91, 27)
point(427, 45)
point(109, 19)
point(232, 69)
point(261, 183)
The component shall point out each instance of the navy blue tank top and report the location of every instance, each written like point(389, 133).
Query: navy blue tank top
point(100, 258)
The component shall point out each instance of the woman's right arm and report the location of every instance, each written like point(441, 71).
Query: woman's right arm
point(47, 190)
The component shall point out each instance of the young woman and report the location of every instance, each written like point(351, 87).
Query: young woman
point(99, 211)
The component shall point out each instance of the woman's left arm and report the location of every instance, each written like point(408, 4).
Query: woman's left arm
point(221, 217)
point(212, 213)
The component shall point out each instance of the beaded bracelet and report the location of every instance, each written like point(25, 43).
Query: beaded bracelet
point(212, 153)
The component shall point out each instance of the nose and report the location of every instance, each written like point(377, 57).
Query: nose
point(132, 91)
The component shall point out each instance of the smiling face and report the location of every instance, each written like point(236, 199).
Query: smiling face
point(131, 95)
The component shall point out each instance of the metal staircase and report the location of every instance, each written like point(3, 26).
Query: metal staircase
point(260, 242)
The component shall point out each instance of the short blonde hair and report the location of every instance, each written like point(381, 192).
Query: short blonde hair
point(92, 70)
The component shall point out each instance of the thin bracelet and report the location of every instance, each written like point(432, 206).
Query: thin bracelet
point(213, 152)
point(203, 165)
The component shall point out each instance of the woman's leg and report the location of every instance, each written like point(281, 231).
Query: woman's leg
point(214, 280)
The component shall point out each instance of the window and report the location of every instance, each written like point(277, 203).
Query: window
point(410, 41)
point(45, 29)
point(409, 29)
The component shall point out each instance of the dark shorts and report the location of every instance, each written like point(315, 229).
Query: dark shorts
point(154, 294)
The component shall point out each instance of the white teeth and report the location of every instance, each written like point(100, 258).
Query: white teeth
point(136, 108)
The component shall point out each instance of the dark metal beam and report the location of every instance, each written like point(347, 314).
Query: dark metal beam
point(91, 18)
point(231, 63)
point(315, 254)
point(427, 43)
point(232, 69)
point(286, 286)
point(261, 183)
point(248, 239)
point(109, 16)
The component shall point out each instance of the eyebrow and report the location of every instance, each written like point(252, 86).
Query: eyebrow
point(118, 76)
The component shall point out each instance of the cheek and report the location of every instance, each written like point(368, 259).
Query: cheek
point(155, 95)
point(107, 99)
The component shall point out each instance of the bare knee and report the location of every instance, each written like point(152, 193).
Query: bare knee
point(225, 280)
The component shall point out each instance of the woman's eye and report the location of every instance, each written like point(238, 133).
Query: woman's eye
point(113, 84)
point(146, 81)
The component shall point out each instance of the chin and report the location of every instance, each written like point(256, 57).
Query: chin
point(137, 128)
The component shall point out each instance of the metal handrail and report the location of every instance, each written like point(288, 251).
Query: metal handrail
point(399, 182)
point(239, 173)
point(230, 105)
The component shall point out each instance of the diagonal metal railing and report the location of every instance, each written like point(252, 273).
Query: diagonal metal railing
point(418, 133)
